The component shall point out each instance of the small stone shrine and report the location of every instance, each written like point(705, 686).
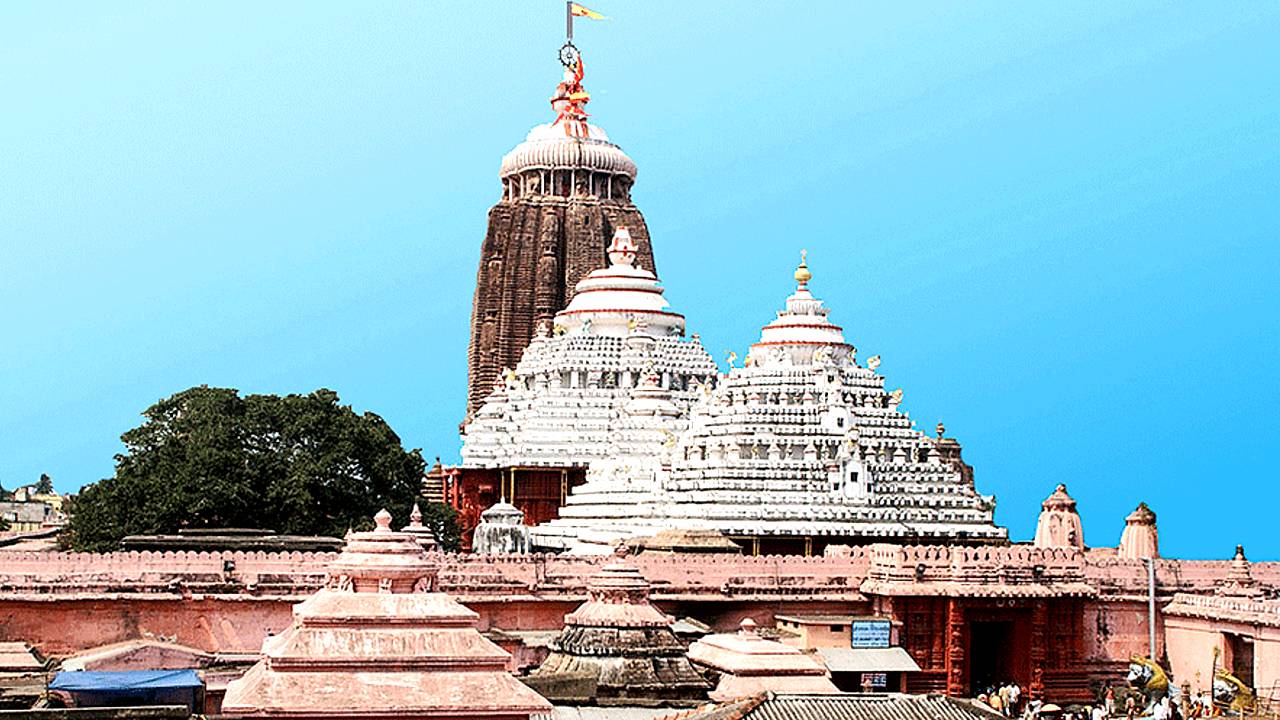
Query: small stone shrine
point(379, 642)
point(621, 645)
point(748, 664)
point(420, 532)
point(501, 531)
point(1059, 524)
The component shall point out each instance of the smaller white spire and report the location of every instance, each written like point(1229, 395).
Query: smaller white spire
point(622, 251)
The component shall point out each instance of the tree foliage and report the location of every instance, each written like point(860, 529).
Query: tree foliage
point(44, 486)
point(209, 458)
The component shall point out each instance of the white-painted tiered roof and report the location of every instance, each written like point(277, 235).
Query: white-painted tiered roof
point(800, 441)
point(561, 405)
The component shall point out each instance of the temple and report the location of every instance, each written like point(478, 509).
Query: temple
point(612, 479)
point(565, 190)
point(558, 410)
point(799, 448)
point(378, 641)
point(617, 648)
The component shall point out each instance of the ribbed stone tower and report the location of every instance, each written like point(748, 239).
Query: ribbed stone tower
point(565, 189)
point(622, 643)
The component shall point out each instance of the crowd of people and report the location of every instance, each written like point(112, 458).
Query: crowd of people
point(1005, 699)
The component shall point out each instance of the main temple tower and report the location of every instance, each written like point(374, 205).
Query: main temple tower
point(565, 190)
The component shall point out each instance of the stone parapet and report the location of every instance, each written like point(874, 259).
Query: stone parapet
point(1243, 610)
point(672, 576)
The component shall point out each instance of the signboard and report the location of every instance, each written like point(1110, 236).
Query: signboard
point(875, 680)
point(869, 634)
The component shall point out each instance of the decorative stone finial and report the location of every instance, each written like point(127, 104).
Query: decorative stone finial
point(1059, 524)
point(1139, 539)
point(873, 362)
point(415, 516)
point(1240, 580)
point(941, 429)
point(383, 521)
point(622, 250)
point(747, 628)
point(802, 274)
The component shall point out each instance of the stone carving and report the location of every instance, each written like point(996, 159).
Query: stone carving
point(562, 197)
point(788, 447)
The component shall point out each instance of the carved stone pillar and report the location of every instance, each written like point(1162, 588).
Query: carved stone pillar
point(955, 648)
point(1039, 643)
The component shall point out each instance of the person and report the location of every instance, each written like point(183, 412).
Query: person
point(994, 702)
point(1015, 694)
point(1161, 709)
point(1099, 712)
point(1004, 692)
point(1196, 708)
point(1109, 700)
point(1130, 707)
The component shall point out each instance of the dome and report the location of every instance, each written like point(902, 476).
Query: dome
point(801, 330)
point(621, 299)
point(548, 147)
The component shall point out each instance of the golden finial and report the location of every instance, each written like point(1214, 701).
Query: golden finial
point(802, 275)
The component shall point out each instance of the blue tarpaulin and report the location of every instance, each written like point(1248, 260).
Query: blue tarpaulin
point(132, 687)
point(89, 681)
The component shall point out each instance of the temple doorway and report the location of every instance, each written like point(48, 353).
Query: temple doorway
point(997, 655)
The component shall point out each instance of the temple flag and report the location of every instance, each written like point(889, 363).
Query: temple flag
point(582, 11)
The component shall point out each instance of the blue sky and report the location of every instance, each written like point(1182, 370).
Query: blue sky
point(1056, 222)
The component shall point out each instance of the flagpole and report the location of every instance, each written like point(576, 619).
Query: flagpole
point(568, 20)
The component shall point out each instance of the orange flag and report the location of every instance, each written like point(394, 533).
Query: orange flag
point(582, 11)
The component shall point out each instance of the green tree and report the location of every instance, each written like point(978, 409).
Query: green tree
point(44, 486)
point(209, 458)
point(443, 521)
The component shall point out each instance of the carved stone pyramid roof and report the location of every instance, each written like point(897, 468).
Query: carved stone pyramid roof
point(561, 405)
point(622, 642)
point(801, 441)
point(378, 642)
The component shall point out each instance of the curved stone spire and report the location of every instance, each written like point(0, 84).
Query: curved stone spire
point(563, 195)
point(1139, 539)
point(1059, 524)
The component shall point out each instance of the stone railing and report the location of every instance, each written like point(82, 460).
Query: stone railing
point(1249, 610)
point(981, 565)
point(839, 573)
point(302, 573)
point(145, 571)
point(1119, 576)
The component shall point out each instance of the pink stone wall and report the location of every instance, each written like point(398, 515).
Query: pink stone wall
point(228, 602)
point(1191, 643)
point(1116, 630)
point(61, 626)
